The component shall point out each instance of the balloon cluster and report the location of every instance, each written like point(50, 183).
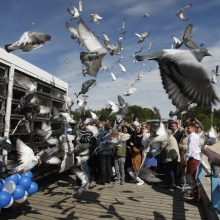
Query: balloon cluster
point(16, 188)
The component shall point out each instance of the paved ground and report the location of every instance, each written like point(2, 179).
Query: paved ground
point(57, 199)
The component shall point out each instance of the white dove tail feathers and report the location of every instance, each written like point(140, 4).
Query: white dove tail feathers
point(8, 48)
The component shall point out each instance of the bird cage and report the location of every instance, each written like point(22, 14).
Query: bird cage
point(49, 92)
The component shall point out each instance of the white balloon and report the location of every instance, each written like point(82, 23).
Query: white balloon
point(10, 204)
point(22, 199)
point(9, 186)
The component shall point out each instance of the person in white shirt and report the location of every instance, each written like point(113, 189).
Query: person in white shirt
point(193, 158)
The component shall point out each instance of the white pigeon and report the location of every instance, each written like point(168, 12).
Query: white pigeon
point(69, 102)
point(177, 41)
point(146, 15)
point(26, 157)
point(74, 12)
point(212, 133)
point(28, 84)
point(95, 17)
point(113, 106)
point(43, 110)
point(64, 116)
point(28, 41)
point(142, 37)
point(81, 103)
point(123, 69)
point(113, 76)
point(130, 91)
point(80, 6)
point(181, 14)
point(52, 141)
point(183, 77)
point(123, 24)
point(45, 131)
point(94, 116)
point(87, 121)
point(150, 45)
point(94, 130)
point(53, 160)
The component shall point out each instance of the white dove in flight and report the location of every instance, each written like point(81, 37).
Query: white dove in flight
point(142, 37)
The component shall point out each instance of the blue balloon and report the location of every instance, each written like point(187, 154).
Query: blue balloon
point(25, 181)
point(14, 178)
point(1, 184)
point(5, 199)
point(28, 174)
point(33, 188)
point(18, 193)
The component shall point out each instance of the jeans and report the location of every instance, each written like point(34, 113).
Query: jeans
point(106, 168)
point(120, 168)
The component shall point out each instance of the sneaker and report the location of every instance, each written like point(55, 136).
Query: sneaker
point(140, 183)
point(122, 182)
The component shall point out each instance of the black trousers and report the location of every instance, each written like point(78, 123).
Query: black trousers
point(106, 168)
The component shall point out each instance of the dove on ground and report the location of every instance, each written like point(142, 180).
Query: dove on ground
point(183, 77)
point(181, 14)
point(142, 37)
point(28, 41)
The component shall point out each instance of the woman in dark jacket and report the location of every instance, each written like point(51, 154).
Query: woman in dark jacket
point(105, 155)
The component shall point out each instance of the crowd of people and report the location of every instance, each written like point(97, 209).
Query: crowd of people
point(112, 154)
